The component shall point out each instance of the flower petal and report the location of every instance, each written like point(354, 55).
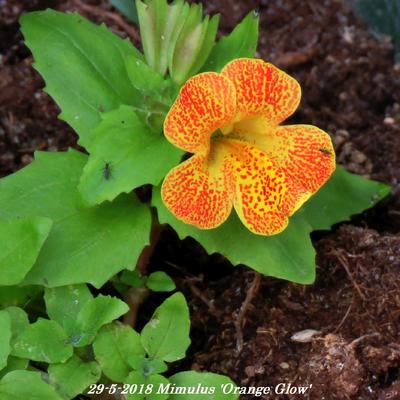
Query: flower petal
point(260, 188)
point(309, 163)
point(263, 90)
point(198, 191)
point(205, 103)
point(305, 154)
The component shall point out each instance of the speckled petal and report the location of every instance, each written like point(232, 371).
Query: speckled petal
point(305, 154)
point(205, 103)
point(260, 189)
point(198, 191)
point(262, 90)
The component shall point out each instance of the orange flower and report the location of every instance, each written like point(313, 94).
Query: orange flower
point(242, 157)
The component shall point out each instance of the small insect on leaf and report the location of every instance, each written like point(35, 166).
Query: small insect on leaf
point(107, 171)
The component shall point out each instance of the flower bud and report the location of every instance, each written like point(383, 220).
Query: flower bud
point(175, 36)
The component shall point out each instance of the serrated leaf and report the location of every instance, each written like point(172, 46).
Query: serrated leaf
point(242, 42)
point(383, 17)
point(5, 338)
point(43, 340)
point(46, 187)
point(289, 255)
point(20, 243)
point(159, 281)
point(85, 245)
point(93, 245)
point(133, 154)
point(113, 346)
point(83, 66)
point(213, 382)
point(74, 376)
point(166, 336)
point(152, 383)
point(93, 315)
point(64, 303)
point(23, 385)
point(128, 8)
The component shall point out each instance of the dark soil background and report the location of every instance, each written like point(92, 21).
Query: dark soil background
point(351, 88)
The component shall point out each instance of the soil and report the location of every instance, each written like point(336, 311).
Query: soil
point(346, 326)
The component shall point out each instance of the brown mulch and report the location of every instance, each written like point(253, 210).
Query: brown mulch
point(351, 88)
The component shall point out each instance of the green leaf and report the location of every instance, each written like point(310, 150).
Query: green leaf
point(344, 195)
point(147, 366)
point(5, 338)
point(94, 245)
point(166, 336)
point(45, 341)
point(64, 303)
point(14, 364)
point(132, 278)
point(113, 346)
point(125, 154)
point(17, 296)
point(151, 383)
point(383, 17)
point(93, 315)
point(213, 382)
point(74, 376)
point(160, 282)
point(81, 315)
point(144, 78)
point(85, 245)
point(289, 255)
point(20, 243)
point(83, 66)
point(46, 187)
point(23, 385)
point(242, 42)
point(157, 94)
point(19, 322)
point(128, 8)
